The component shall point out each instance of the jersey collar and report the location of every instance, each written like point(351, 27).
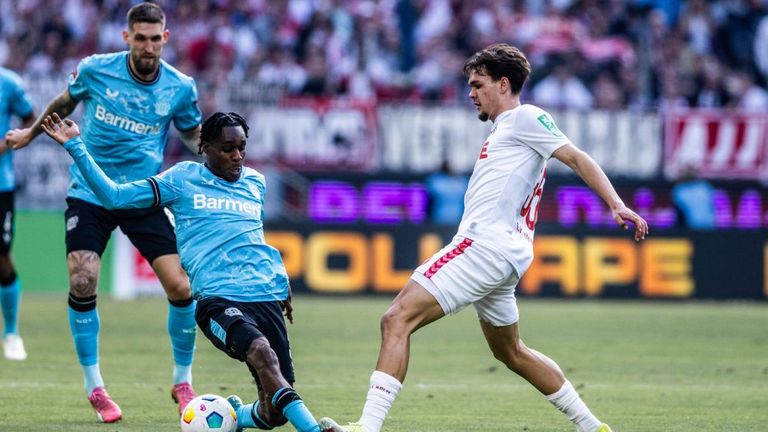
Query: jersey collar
point(135, 77)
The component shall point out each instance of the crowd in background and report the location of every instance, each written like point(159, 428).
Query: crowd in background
point(599, 54)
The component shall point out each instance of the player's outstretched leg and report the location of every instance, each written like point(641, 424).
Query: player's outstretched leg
point(329, 425)
point(10, 293)
point(542, 372)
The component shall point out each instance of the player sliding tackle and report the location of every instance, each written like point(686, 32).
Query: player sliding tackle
point(239, 281)
point(494, 244)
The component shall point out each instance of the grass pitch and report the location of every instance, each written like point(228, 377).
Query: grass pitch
point(641, 366)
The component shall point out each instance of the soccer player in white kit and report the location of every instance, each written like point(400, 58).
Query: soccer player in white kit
point(494, 244)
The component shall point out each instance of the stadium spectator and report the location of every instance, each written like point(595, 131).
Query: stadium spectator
point(130, 99)
point(14, 103)
point(446, 190)
point(239, 280)
point(493, 246)
point(693, 199)
point(562, 89)
point(711, 92)
point(761, 48)
point(608, 95)
point(697, 23)
point(744, 93)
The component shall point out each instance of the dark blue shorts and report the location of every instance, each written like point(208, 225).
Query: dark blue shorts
point(89, 227)
point(231, 326)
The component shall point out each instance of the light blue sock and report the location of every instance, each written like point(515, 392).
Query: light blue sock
point(85, 332)
point(9, 299)
point(288, 401)
point(181, 329)
point(244, 419)
point(248, 417)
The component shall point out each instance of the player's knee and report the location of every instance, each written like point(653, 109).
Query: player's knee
point(512, 356)
point(395, 322)
point(261, 356)
point(178, 289)
point(391, 322)
point(82, 281)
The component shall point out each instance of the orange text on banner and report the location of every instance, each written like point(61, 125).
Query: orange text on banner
point(369, 261)
point(659, 267)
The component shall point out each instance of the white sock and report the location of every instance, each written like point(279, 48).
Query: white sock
point(182, 374)
point(92, 378)
point(568, 401)
point(381, 394)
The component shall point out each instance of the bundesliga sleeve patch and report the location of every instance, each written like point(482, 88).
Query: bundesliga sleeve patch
point(548, 123)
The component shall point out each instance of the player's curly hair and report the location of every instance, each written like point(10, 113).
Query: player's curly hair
point(501, 60)
point(213, 125)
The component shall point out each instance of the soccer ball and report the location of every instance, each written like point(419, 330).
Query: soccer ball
point(208, 413)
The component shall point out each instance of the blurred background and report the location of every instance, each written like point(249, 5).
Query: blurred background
point(361, 122)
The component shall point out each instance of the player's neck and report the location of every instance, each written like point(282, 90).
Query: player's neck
point(142, 77)
point(506, 106)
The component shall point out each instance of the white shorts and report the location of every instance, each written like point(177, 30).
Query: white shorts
point(465, 272)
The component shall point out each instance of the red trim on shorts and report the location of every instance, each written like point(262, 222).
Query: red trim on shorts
point(443, 260)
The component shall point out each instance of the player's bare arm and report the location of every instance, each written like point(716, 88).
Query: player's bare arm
point(26, 122)
point(63, 104)
point(191, 138)
point(60, 130)
point(287, 306)
point(595, 178)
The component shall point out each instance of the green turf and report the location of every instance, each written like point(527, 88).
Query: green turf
point(640, 366)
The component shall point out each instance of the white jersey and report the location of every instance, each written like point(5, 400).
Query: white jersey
point(502, 199)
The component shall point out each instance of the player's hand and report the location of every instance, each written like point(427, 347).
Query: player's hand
point(18, 138)
point(288, 307)
point(622, 215)
point(58, 129)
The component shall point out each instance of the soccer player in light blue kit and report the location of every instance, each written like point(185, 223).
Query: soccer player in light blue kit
point(130, 99)
point(13, 102)
point(239, 281)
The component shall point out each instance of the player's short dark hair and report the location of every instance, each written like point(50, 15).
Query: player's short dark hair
point(500, 60)
point(147, 13)
point(213, 125)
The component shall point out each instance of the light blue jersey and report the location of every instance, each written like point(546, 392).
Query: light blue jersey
point(13, 101)
point(219, 225)
point(126, 121)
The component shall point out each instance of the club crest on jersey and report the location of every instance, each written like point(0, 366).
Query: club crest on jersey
point(162, 108)
point(233, 312)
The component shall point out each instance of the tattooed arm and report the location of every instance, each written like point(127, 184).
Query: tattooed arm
point(62, 104)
